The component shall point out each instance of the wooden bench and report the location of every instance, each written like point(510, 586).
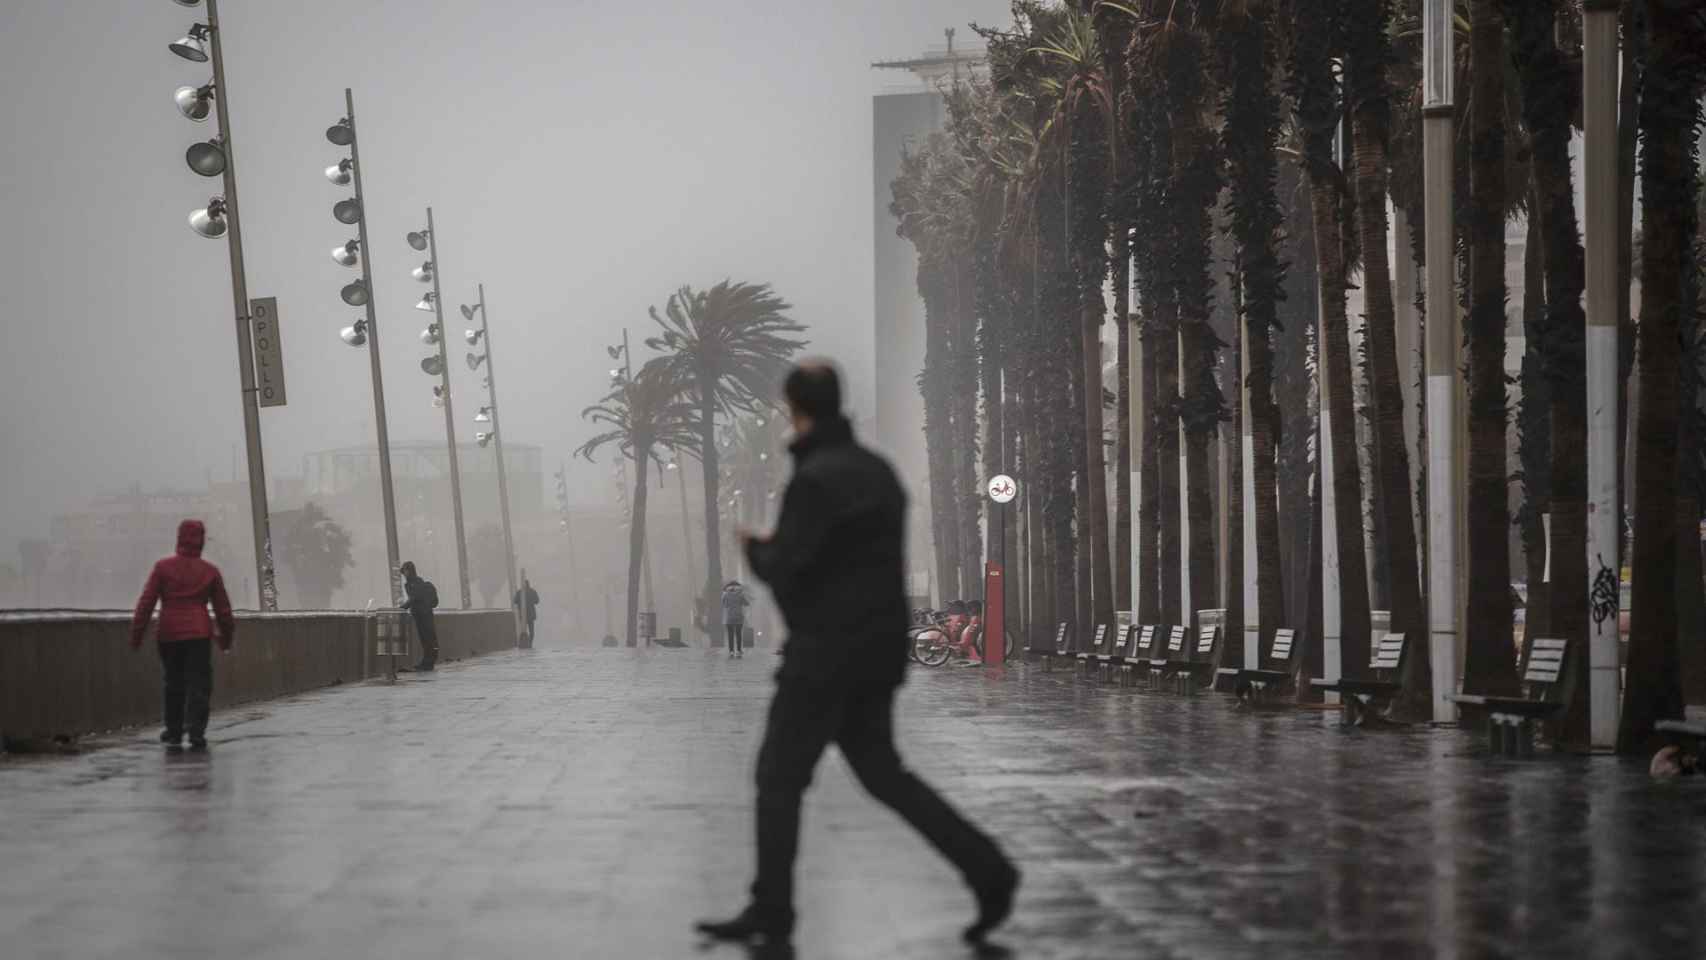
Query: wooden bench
point(1197, 666)
point(1098, 650)
point(1142, 648)
point(1061, 645)
point(1511, 720)
point(1159, 668)
point(1358, 694)
point(1255, 683)
point(1116, 654)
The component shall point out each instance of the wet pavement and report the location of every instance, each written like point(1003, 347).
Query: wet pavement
point(592, 803)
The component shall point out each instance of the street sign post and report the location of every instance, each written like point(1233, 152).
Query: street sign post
point(269, 354)
point(1002, 490)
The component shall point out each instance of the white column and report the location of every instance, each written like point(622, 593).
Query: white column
point(1139, 438)
point(1599, 110)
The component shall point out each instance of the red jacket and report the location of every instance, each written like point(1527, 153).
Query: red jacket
point(183, 585)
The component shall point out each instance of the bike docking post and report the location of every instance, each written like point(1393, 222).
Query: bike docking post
point(1002, 490)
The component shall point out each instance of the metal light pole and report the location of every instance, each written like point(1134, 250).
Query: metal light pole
point(379, 419)
point(1443, 557)
point(265, 588)
point(449, 413)
point(1599, 115)
point(498, 440)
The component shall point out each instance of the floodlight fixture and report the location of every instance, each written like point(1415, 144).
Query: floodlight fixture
point(426, 302)
point(347, 211)
point(355, 335)
point(206, 158)
point(429, 336)
point(354, 293)
point(423, 273)
point(192, 46)
point(339, 173)
point(347, 255)
point(195, 103)
point(417, 239)
point(342, 133)
point(432, 366)
point(209, 221)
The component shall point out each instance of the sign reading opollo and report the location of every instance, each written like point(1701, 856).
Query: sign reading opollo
point(269, 354)
point(1002, 489)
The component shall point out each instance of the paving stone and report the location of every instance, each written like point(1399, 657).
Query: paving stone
point(591, 803)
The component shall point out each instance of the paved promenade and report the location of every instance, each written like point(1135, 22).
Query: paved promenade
point(592, 803)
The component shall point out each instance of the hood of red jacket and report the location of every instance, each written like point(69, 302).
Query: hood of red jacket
point(192, 536)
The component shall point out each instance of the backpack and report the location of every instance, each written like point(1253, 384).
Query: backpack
point(429, 594)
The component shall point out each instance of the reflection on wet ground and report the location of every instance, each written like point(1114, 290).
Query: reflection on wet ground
point(593, 803)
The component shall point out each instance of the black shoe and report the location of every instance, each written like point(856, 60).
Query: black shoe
point(198, 744)
point(994, 902)
point(773, 926)
point(170, 739)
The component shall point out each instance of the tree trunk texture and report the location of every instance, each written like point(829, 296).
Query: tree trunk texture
point(933, 382)
point(637, 534)
point(710, 477)
point(1670, 110)
point(1550, 97)
point(964, 398)
point(1489, 658)
point(1632, 21)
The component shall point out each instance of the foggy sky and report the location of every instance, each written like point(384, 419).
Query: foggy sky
point(582, 160)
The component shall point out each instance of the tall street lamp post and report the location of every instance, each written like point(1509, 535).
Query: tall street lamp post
point(494, 436)
point(205, 42)
point(353, 212)
point(435, 335)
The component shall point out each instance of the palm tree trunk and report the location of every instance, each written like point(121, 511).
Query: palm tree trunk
point(1368, 24)
point(1149, 506)
point(711, 477)
point(1632, 21)
point(964, 399)
point(1489, 660)
point(637, 535)
point(1669, 178)
point(1549, 100)
point(1079, 471)
point(1122, 423)
point(1165, 426)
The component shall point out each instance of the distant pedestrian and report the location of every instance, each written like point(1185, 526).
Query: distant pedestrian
point(836, 566)
point(526, 600)
point(422, 600)
point(184, 585)
point(734, 615)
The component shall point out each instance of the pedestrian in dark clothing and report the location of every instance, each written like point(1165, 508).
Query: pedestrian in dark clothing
point(421, 600)
point(527, 601)
point(183, 585)
point(835, 565)
point(734, 615)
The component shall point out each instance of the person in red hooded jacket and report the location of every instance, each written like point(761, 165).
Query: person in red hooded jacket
point(183, 585)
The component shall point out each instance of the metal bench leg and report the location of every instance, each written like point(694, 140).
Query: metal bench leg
point(1495, 736)
point(1348, 710)
point(1525, 738)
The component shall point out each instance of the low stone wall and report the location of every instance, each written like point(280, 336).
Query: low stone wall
point(69, 673)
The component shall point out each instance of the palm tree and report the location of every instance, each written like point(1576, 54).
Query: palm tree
point(728, 347)
point(1083, 117)
point(643, 417)
point(316, 548)
point(1489, 663)
point(1369, 99)
point(1114, 32)
point(1670, 114)
point(1551, 89)
point(1249, 141)
point(1317, 32)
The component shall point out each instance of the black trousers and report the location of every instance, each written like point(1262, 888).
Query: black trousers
point(805, 717)
point(188, 669)
point(733, 632)
point(428, 635)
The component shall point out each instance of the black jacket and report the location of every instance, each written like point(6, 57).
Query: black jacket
point(836, 564)
point(422, 597)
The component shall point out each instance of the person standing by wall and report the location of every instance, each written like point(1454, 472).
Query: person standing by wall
point(184, 585)
point(836, 566)
point(734, 615)
point(526, 600)
point(422, 600)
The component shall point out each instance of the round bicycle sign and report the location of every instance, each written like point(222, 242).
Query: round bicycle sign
point(1002, 489)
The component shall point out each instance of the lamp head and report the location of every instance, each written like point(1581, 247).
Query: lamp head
point(467, 313)
point(475, 359)
point(417, 239)
point(195, 103)
point(423, 273)
point(429, 336)
point(347, 211)
point(483, 438)
point(339, 173)
point(355, 335)
point(206, 158)
point(210, 220)
point(472, 336)
point(426, 302)
point(432, 366)
point(342, 133)
point(192, 46)
point(354, 293)
point(348, 254)
point(484, 416)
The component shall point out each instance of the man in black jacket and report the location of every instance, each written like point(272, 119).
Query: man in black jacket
point(422, 599)
point(836, 567)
